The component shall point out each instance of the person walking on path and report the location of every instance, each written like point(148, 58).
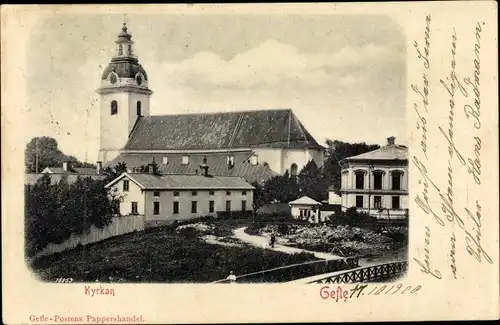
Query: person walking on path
point(273, 240)
point(231, 277)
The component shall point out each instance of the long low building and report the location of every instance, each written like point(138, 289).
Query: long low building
point(164, 198)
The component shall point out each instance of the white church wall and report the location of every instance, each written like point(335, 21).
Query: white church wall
point(272, 156)
point(114, 128)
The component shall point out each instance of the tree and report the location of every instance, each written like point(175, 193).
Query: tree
point(113, 172)
point(49, 155)
point(311, 182)
point(336, 151)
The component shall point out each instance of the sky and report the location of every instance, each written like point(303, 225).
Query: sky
point(344, 76)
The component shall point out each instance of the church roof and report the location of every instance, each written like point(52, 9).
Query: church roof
point(389, 152)
point(277, 128)
point(217, 163)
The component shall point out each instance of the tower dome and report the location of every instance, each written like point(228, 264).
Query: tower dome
point(124, 64)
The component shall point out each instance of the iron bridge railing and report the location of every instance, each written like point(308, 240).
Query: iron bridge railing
point(374, 273)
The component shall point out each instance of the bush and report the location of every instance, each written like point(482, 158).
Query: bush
point(55, 212)
point(234, 214)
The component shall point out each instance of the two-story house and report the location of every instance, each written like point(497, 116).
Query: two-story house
point(376, 182)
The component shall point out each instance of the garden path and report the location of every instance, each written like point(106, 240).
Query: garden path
point(263, 242)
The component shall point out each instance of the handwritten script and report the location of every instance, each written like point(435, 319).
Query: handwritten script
point(437, 198)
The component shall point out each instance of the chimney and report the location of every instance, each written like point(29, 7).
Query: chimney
point(152, 167)
point(204, 166)
point(99, 167)
point(390, 140)
point(67, 166)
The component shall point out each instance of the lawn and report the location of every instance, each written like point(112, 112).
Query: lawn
point(160, 255)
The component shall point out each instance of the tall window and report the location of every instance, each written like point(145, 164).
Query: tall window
point(243, 205)
point(395, 202)
point(176, 207)
point(359, 201)
point(156, 208)
point(377, 180)
point(360, 180)
point(377, 202)
point(194, 207)
point(126, 185)
point(139, 106)
point(134, 208)
point(120, 50)
point(114, 107)
point(293, 170)
point(396, 180)
point(211, 205)
point(228, 205)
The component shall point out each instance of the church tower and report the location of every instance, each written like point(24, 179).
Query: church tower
point(124, 96)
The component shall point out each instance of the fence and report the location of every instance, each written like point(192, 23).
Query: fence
point(373, 273)
point(118, 226)
point(296, 271)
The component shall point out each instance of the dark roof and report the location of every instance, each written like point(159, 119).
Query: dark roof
point(124, 68)
point(74, 170)
point(217, 163)
point(151, 181)
point(278, 128)
point(30, 179)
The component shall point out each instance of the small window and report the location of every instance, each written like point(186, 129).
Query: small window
point(185, 160)
point(228, 193)
point(194, 193)
point(293, 170)
point(243, 205)
point(139, 107)
point(114, 107)
point(176, 207)
point(156, 193)
point(360, 181)
point(211, 205)
point(230, 160)
point(211, 193)
point(176, 193)
point(265, 164)
point(377, 202)
point(228, 205)
point(126, 185)
point(194, 207)
point(243, 192)
point(156, 208)
point(395, 202)
point(359, 201)
point(134, 208)
point(165, 160)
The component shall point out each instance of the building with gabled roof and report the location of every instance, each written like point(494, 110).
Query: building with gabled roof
point(273, 140)
point(376, 182)
point(163, 198)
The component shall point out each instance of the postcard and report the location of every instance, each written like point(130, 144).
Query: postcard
point(332, 162)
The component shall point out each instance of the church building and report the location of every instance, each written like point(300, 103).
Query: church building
point(255, 145)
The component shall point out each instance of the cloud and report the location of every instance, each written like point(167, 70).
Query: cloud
point(273, 63)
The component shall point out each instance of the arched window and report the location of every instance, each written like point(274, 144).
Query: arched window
point(120, 50)
point(114, 107)
point(139, 105)
point(293, 170)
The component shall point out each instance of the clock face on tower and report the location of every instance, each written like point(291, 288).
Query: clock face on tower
point(113, 79)
point(138, 79)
